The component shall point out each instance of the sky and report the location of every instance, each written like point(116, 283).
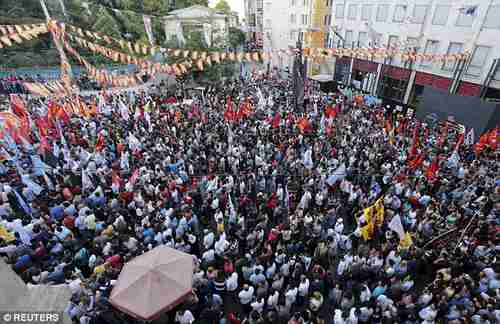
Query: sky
point(236, 5)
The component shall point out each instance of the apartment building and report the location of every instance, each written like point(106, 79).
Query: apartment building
point(428, 27)
point(254, 16)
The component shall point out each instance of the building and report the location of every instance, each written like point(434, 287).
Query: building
point(213, 25)
point(285, 22)
point(254, 16)
point(427, 27)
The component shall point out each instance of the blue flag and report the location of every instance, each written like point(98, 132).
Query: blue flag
point(23, 204)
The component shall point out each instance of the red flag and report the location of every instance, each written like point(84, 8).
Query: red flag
point(44, 145)
point(229, 114)
point(416, 162)
point(99, 145)
point(18, 107)
point(330, 112)
point(493, 138)
point(388, 125)
point(483, 141)
point(415, 144)
point(273, 201)
point(115, 178)
point(275, 123)
point(460, 140)
point(444, 135)
point(431, 173)
point(304, 125)
point(134, 177)
point(290, 118)
point(42, 125)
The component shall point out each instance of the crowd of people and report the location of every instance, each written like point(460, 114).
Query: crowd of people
point(274, 201)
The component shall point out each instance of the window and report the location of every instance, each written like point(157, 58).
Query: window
point(431, 47)
point(412, 43)
point(293, 3)
point(393, 41)
point(419, 13)
point(349, 38)
point(478, 60)
point(441, 15)
point(259, 20)
point(327, 20)
point(304, 19)
point(351, 13)
point(268, 23)
point(268, 6)
point(492, 19)
point(399, 13)
point(329, 3)
point(293, 36)
point(366, 12)
point(363, 39)
point(305, 3)
point(465, 20)
point(382, 12)
point(454, 48)
point(339, 11)
point(292, 19)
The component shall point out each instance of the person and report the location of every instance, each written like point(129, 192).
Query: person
point(334, 210)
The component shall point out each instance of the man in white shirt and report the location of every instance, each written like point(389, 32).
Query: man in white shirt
point(303, 290)
point(184, 318)
point(291, 296)
point(232, 282)
point(246, 296)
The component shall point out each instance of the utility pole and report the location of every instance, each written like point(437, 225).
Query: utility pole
point(58, 37)
point(298, 76)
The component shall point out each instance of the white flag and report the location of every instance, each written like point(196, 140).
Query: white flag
point(397, 226)
point(339, 174)
point(149, 29)
point(124, 110)
point(86, 182)
point(469, 138)
point(207, 32)
point(232, 211)
point(308, 163)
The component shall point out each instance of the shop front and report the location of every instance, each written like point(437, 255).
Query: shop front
point(364, 75)
point(423, 80)
point(342, 67)
point(393, 83)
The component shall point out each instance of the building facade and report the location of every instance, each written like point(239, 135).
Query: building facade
point(254, 16)
point(427, 27)
point(213, 25)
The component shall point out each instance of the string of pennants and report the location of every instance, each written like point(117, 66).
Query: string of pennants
point(360, 52)
point(10, 34)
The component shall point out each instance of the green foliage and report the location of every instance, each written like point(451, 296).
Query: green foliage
point(236, 37)
point(223, 6)
point(180, 4)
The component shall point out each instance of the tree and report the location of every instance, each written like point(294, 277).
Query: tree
point(180, 4)
point(223, 6)
point(236, 37)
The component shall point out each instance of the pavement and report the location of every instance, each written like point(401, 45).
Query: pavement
point(16, 296)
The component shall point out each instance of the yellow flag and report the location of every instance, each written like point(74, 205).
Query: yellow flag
point(367, 232)
point(406, 242)
point(379, 211)
point(6, 235)
point(369, 217)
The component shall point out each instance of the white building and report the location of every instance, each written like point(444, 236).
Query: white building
point(431, 27)
point(254, 12)
point(215, 25)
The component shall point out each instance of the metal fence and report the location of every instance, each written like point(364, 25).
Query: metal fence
point(51, 73)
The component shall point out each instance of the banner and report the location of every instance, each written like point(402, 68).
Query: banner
point(149, 29)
